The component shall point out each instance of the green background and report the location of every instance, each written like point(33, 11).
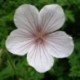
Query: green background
point(15, 67)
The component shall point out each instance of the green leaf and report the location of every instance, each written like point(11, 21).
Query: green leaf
point(6, 72)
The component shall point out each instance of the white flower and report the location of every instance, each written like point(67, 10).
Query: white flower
point(37, 37)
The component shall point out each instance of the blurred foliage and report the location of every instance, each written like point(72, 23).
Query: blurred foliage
point(15, 67)
point(74, 61)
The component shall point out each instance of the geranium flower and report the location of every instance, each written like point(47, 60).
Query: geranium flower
point(37, 37)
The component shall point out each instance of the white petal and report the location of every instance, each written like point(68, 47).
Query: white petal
point(26, 17)
point(59, 44)
point(19, 42)
point(52, 17)
point(39, 58)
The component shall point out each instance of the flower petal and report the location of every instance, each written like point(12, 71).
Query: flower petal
point(59, 44)
point(26, 17)
point(52, 17)
point(19, 42)
point(39, 58)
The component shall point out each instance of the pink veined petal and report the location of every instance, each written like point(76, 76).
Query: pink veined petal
point(27, 17)
point(39, 58)
point(52, 17)
point(19, 42)
point(59, 44)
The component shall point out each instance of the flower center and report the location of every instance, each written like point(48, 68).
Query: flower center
point(39, 37)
